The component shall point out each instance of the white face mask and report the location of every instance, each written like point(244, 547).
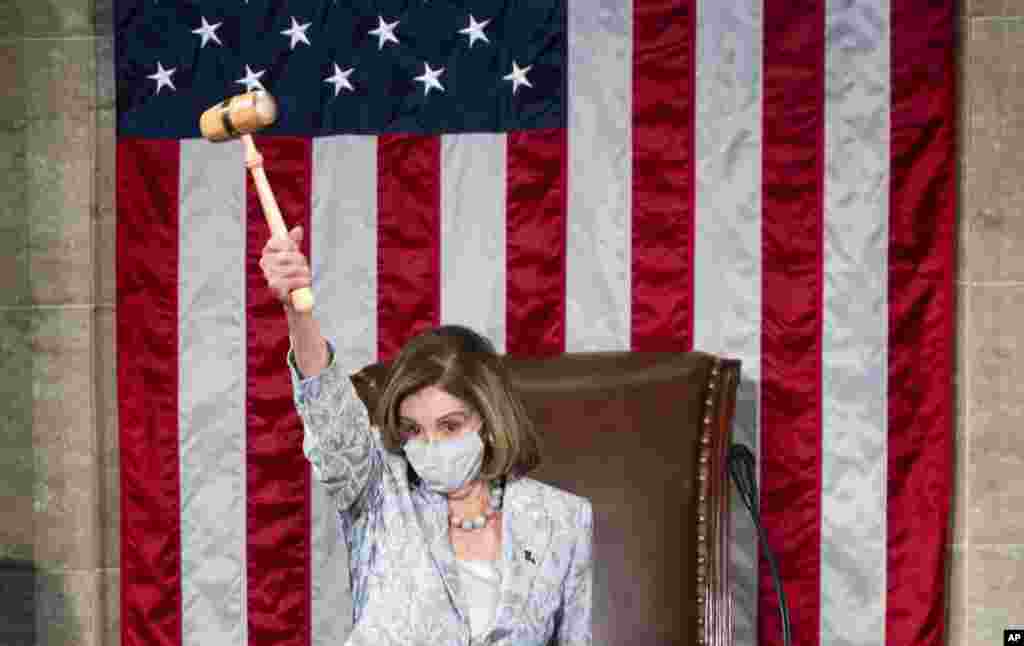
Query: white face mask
point(446, 465)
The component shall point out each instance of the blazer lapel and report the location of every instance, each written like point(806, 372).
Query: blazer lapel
point(434, 521)
point(526, 533)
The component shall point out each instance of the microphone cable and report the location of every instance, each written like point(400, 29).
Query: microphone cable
point(740, 462)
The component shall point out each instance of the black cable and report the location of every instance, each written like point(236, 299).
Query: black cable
point(740, 462)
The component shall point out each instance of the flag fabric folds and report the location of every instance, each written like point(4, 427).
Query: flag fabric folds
point(772, 181)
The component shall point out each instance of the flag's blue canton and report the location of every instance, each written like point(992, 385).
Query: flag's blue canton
point(379, 94)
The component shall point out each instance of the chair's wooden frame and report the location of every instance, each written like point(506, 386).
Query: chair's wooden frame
point(713, 516)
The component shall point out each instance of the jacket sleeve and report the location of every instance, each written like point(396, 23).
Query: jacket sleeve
point(337, 438)
point(575, 628)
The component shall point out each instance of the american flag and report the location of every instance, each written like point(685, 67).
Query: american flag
point(772, 181)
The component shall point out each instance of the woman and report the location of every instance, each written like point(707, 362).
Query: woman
point(449, 541)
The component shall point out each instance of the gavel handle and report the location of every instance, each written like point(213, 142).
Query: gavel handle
point(302, 298)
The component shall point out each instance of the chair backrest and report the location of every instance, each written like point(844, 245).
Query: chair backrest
point(644, 436)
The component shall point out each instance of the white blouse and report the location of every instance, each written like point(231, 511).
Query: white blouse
point(481, 584)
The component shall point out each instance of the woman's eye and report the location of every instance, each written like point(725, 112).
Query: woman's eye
point(409, 431)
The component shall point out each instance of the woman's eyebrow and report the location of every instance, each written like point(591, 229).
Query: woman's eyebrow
point(453, 413)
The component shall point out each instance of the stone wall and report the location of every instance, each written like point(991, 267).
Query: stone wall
point(987, 548)
point(58, 442)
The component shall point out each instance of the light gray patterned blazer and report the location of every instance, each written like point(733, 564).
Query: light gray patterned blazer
point(405, 583)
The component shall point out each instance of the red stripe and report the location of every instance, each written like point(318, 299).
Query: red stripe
point(792, 292)
point(923, 198)
point(535, 241)
point(408, 238)
point(147, 387)
point(664, 40)
point(277, 502)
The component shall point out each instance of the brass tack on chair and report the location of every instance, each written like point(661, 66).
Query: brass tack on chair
point(707, 419)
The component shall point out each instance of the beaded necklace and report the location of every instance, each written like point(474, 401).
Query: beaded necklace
point(497, 492)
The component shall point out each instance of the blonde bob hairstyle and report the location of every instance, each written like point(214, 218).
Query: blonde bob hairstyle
point(465, 365)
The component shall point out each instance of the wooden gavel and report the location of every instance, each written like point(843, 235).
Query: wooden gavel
point(238, 117)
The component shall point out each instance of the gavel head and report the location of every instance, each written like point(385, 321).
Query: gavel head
point(240, 115)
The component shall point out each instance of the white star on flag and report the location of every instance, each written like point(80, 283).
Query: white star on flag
point(429, 79)
point(340, 79)
point(518, 77)
point(251, 80)
point(208, 32)
point(162, 77)
point(297, 33)
point(475, 30)
point(384, 32)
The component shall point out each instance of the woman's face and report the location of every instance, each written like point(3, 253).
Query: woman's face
point(434, 414)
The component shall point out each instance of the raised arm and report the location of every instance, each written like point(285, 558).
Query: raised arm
point(337, 438)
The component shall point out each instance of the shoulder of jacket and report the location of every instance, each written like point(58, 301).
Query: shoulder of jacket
point(554, 497)
point(394, 463)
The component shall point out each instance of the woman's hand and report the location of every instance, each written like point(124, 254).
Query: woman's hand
point(285, 268)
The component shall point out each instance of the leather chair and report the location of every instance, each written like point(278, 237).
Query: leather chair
point(644, 436)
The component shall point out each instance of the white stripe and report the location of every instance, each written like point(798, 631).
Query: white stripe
point(211, 388)
point(343, 251)
point(598, 248)
point(855, 330)
point(473, 191)
point(727, 253)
